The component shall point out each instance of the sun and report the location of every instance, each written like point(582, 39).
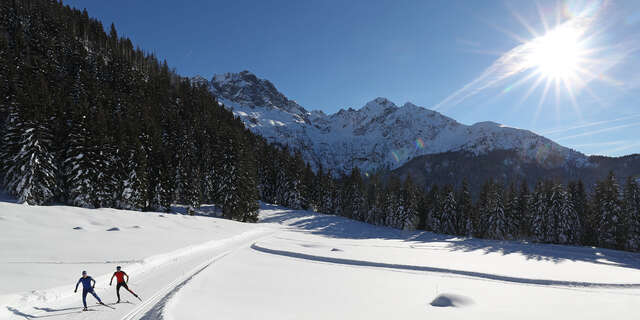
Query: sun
point(557, 55)
point(562, 58)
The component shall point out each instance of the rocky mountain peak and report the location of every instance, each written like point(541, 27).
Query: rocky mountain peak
point(378, 105)
point(199, 80)
point(247, 89)
point(378, 135)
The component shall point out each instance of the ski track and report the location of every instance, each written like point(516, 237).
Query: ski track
point(471, 274)
point(156, 312)
point(151, 308)
point(156, 303)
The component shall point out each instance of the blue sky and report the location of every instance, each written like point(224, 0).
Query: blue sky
point(455, 56)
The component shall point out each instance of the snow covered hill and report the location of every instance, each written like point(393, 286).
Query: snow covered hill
point(295, 265)
point(379, 135)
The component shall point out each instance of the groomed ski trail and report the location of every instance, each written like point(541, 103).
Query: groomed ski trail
point(154, 303)
point(156, 281)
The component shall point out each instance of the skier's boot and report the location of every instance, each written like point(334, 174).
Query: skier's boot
point(84, 309)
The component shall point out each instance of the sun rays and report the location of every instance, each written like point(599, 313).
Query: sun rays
point(555, 64)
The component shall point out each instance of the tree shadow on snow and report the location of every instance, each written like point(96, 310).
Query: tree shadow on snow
point(340, 227)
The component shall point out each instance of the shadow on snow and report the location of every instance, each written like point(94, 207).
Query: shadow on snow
point(340, 227)
point(488, 276)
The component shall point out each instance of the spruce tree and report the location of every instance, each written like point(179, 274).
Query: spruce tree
point(631, 207)
point(566, 221)
point(354, 205)
point(465, 210)
point(393, 209)
point(434, 211)
point(496, 221)
point(512, 212)
point(484, 210)
point(449, 215)
point(374, 199)
point(410, 201)
point(28, 163)
point(523, 212)
point(80, 168)
point(539, 208)
point(611, 222)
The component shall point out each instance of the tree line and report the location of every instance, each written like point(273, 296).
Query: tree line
point(552, 212)
point(608, 216)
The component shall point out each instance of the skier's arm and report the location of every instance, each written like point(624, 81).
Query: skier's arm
point(93, 283)
point(77, 283)
point(126, 275)
point(111, 281)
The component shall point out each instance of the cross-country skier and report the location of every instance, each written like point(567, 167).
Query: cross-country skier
point(119, 275)
point(88, 284)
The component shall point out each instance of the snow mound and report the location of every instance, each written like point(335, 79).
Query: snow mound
point(451, 300)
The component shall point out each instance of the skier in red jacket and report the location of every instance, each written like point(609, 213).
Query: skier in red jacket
point(119, 275)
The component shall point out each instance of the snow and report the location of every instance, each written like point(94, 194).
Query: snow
point(297, 265)
point(380, 134)
point(326, 267)
point(44, 249)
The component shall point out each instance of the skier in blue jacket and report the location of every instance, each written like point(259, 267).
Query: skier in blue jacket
point(88, 284)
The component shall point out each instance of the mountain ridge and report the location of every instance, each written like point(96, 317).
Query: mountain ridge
point(379, 135)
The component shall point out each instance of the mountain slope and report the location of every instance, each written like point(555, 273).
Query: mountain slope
point(507, 166)
point(379, 135)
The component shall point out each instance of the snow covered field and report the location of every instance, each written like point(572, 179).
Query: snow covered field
point(43, 254)
point(296, 265)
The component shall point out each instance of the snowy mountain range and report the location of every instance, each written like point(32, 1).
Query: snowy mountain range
point(379, 135)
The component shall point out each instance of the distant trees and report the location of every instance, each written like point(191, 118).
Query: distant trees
point(551, 213)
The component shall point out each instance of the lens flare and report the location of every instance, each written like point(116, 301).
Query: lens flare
point(419, 143)
point(395, 156)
